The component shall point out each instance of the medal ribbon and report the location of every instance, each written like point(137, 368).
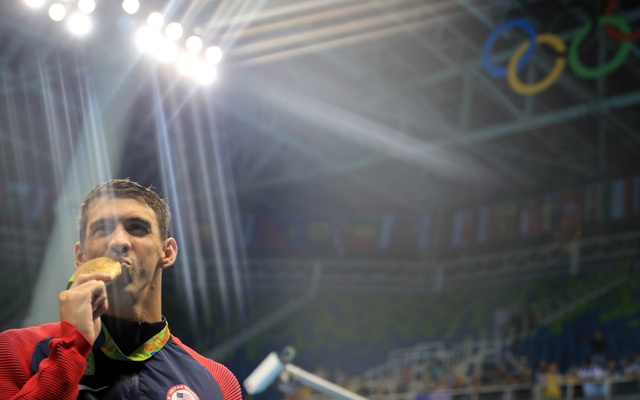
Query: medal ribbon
point(111, 350)
point(145, 351)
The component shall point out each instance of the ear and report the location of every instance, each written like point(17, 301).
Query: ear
point(79, 255)
point(170, 252)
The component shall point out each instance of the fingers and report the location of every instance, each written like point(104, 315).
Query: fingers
point(84, 302)
point(100, 306)
point(96, 276)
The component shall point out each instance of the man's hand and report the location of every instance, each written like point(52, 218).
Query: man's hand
point(84, 302)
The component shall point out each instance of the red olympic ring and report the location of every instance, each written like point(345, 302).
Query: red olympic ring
point(612, 31)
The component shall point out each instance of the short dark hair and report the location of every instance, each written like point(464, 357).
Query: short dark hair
point(127, 189)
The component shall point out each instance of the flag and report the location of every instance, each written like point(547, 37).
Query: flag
point(387, 225)
point(296, 228)
point(247, 227)
point(483, 227)
point(423, 225)
point(320, 232)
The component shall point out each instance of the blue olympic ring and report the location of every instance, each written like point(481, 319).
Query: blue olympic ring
point(486, 50)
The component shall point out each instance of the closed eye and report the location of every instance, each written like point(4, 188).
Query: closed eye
point(138, 228)
point(101, 228)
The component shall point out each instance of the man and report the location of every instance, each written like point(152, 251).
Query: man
point(112, 342)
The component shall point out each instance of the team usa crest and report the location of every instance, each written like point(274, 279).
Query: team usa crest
point(181, 392)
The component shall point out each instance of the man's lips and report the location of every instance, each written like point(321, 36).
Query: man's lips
point(125, 264)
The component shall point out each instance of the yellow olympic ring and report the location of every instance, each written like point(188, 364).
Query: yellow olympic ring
point(533, 88)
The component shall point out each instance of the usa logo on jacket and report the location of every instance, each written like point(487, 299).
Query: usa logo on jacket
point(181, 392)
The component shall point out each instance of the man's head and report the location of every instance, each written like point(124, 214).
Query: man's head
point(126, 189)
point(129, 223)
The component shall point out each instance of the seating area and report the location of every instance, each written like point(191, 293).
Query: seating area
point(378, 339)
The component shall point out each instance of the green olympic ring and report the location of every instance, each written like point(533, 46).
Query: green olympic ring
point(618, 58)
point(573, 58)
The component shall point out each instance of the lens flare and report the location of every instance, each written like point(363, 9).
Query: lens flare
point(155, 20)
point(206, 74)
point(193, 44)
point(188, 64)
point(57, 12)
point(213, 55)
point(79, 24)
point(130, 6)
point(86, 6)
point(147, 39)
point(174, 31)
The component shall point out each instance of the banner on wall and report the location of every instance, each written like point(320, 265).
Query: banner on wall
point(339, 233)
point(561, 211)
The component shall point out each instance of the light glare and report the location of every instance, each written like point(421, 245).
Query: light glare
point(188, 64)
point(79, 24)
point(166, 50)
point(86, 6)
point(148, 40)
point(155, 20)
point(213, 55)
point(131, 6)
point(57, 12)
point(206, 74)
point(174, 31)
point(194, 44)
point(34, 3)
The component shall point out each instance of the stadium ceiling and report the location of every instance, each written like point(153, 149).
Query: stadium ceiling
point(326, 105)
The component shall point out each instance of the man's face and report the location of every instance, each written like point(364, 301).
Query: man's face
point(127, 231)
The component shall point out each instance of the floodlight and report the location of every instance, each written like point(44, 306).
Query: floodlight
point(86, 6)
point(147, 39)
point(174, 31)
point(79, 24)
point(194, 44)
point(213, 55)
point(155, 20)
point(131, 6)
point(206, 74)
point(188, 64)
point(165, 50)
point(57, 12)
point(34, 3)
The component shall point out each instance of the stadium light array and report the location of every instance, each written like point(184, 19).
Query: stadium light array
point(150, 38)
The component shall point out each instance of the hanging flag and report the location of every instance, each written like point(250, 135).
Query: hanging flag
point(387, 225)
point(296, 228)
point(422, 227)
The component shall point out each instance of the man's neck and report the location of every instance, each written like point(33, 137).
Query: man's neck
point(130, 335)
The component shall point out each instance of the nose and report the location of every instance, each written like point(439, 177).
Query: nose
point(119, 243)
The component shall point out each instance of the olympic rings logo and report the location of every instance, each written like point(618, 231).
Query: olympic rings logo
point(615, 27)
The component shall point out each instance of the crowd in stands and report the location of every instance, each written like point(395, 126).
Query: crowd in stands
point(548, 354)
point(440, 380)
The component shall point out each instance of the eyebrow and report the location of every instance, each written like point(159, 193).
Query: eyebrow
point(136, 220)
